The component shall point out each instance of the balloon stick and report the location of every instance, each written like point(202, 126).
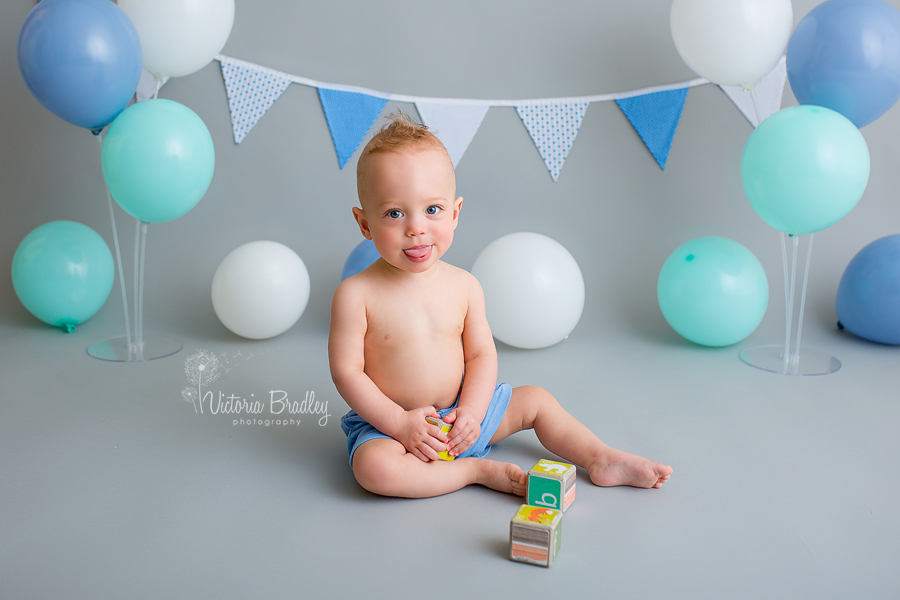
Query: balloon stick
point(795, 358)
point(140, 299)
point(140, 246)
point(790, 307)
point(112, 219)
point(755, 106)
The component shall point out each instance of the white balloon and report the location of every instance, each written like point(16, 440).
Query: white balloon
point(260, 289)
point(731, 42)
point(533, 289)
point(179, 37)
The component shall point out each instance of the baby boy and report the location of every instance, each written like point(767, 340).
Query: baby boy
point(409, 339)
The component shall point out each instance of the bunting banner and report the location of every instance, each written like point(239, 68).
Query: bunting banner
point(251, 91)
point(146, 87)
point(655, 117)
point(553, 127)
point(553, 123)
point(768, 92)
point(350, 116)
point(454, 124)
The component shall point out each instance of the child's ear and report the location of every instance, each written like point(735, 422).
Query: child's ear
point(360, 216)
point(457, 205)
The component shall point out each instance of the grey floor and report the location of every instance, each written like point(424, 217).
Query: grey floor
point(112, 486)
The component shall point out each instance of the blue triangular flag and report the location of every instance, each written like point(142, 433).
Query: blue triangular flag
point(655, 117)
point(350, 116)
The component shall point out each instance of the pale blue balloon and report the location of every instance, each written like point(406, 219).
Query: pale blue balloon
point(158, 160)
point(804, 168)
point(81, 59)
point(713, 291)
point(361, 257)
point(845, 54)
point(868, 296)
point(63, 273)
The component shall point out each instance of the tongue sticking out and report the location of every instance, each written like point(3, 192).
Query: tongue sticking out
point(419, 253)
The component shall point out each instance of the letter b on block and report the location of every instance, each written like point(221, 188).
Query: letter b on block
point(551, 485)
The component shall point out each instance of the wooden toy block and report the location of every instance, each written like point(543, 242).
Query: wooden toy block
point(445, 427)
point(551, 484)
point(535, 535)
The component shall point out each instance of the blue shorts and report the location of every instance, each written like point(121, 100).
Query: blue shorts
point(360, 431)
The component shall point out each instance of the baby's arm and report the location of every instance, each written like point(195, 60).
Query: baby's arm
point(480, 355)
point(347, 359)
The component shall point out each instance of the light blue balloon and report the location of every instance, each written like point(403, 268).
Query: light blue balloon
point(158, 160)
point(804, 168)
point(81, 59)
point(845, 55)
point(868, 297)
point(361, 257)
point(62, 273)
point(713, 291)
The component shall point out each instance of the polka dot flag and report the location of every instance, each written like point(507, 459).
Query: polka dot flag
point(553, 127)
point(251, 91)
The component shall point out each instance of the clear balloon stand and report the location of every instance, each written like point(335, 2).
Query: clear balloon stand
point(783, 359)
point(137, 347)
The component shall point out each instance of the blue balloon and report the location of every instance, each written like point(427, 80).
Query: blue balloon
point(868, 297)
point(713, 291)
point(362, 256)
point(81, 59)
point(63, 273)
point(845, 55)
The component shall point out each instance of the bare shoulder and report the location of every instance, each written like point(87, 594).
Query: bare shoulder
point(467, 285)
point(460, 276)
point(350, 297)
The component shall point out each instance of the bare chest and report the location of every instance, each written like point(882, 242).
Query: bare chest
point(413, 320)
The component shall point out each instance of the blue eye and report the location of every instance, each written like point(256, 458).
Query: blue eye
point(395, 213)
point(433, 209)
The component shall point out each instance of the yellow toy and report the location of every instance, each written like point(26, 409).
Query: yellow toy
point(445, 427)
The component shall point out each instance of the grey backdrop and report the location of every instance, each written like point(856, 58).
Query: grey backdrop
point(112, 487)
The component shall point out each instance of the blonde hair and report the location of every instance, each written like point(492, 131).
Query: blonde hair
point(399, 134)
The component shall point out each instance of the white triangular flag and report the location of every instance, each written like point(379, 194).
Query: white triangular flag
point(251, 91)
point(454, 124)
point(768, 91)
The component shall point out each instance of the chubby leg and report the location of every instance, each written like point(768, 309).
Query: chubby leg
point(383, 466)
point(532, 407)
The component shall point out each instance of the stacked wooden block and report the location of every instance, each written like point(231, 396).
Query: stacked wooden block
point(535, 532)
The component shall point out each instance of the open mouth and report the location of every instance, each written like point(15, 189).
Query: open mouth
point(418, 253)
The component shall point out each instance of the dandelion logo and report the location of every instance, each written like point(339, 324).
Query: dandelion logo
point(201, 368)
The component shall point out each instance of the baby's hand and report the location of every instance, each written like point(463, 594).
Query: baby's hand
point(466, 429)
point(420, 437)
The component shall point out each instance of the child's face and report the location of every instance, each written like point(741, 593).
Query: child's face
point(409, 208)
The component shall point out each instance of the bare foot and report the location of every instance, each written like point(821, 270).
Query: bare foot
point(503, 477)
point(621, 468)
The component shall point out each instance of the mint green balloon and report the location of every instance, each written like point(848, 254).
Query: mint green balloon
point(62, 273)
point(713, 291)
point(158, 160)
point(804, 168)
